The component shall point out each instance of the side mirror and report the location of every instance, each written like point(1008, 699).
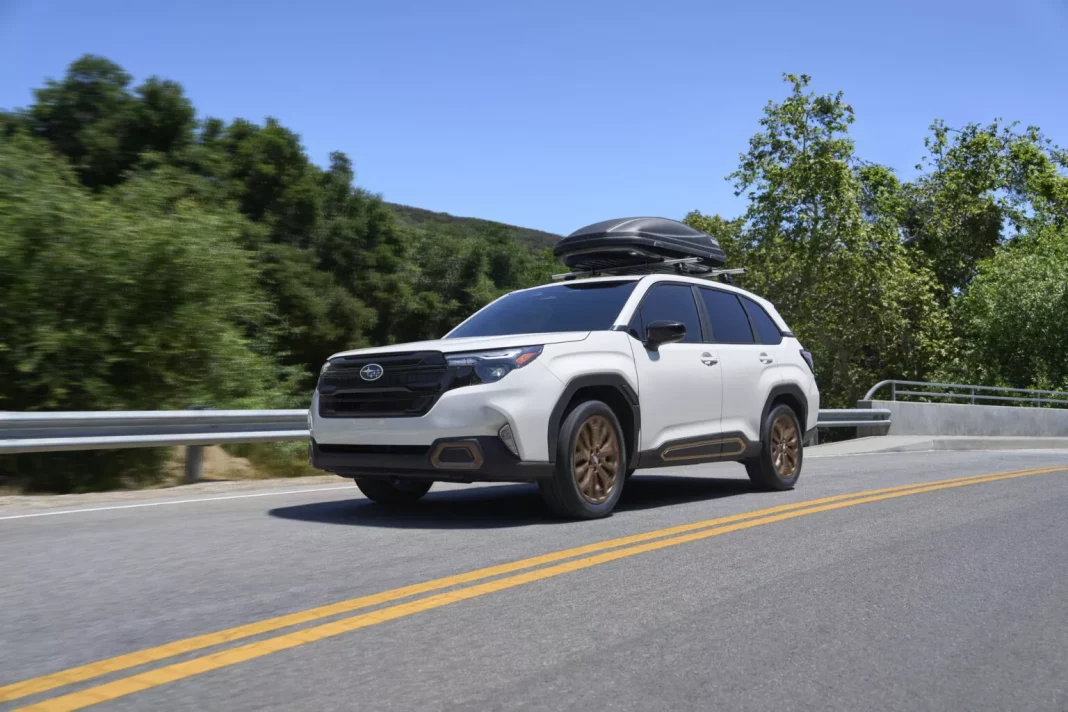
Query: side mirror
point(659, 333)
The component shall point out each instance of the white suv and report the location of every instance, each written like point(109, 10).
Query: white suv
point(573, 386)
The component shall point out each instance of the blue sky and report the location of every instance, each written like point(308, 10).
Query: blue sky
point(554, 115)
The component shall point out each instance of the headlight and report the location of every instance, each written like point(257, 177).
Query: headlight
point(492, 366)
point(326, 367)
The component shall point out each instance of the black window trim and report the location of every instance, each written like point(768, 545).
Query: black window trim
point(711, 333)
point(708, 336)
point(706, 328)
point(757, 341)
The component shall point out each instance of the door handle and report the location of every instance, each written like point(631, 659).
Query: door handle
point(764, 358)
point(708, 359)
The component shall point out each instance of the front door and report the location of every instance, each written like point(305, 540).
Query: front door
point(680, 385)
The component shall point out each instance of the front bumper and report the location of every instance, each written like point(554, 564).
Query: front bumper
point(523, 399)
point(467, 459)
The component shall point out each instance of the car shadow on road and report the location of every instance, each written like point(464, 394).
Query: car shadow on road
point(502, 506)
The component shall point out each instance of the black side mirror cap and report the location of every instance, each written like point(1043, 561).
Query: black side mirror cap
point(659, 333)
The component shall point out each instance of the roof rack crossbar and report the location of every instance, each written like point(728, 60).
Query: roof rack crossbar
point(662, 263)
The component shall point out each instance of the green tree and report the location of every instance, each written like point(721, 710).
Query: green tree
point(272, 179)
point(93, 119)
point(729, 234)
point(842, 281)
point(316, 316)
point(982, 186)
point(1013, 320)
point(114, 304)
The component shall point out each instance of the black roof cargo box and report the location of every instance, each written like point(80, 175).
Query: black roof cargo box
point(637, 245)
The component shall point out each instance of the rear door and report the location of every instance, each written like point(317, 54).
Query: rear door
point(767, 333)
point(748, 366)
point(680, 386)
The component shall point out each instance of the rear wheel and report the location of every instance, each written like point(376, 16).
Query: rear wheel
point(399, 492)
point(591, 464)
point(778, 465)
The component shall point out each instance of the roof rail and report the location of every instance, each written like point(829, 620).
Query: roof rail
point(643, 268)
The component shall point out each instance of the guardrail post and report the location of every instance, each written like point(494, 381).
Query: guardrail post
point(194, 463)
point(194, 456)
point(893, 391)
point(973, 396)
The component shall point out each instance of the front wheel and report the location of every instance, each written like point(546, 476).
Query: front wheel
point(401, 492)
point(778, 465)
point(591, 464)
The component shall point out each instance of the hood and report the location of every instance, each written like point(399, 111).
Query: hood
point(471, 343)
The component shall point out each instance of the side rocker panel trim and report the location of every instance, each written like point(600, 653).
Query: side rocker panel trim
point(714, 447)
point(612, 380)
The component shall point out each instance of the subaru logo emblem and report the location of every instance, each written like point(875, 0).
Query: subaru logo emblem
point(371, 372)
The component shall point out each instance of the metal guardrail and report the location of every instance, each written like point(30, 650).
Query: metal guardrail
point(975, 393)
point(106, 430)
point(847, 418)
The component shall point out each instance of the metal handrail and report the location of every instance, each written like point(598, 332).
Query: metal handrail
point(1033, 396)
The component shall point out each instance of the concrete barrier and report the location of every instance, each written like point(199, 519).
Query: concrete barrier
point(962, 419)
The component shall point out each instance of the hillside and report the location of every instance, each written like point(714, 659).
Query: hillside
point(427, 219)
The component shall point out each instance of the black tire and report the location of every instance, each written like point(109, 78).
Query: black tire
point(562, 491)
point(402, 492)
point(774, 468)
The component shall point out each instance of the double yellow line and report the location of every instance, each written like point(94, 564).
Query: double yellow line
point(533, 569)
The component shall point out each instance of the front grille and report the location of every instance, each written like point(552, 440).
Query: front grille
point(410, 385)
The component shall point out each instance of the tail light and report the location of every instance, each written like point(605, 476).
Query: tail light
point(807, 355)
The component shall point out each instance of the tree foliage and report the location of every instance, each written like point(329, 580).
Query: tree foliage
point(841, 281)
point(1014, 317)
point(117, 305)
point(983, 186)
point(883, 278)
point(149, 260)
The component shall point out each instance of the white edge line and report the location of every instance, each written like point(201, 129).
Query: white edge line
point(174, 501)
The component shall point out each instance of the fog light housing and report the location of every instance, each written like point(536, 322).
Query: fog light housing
point(505, 434)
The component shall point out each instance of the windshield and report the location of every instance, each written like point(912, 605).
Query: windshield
point(589, 306)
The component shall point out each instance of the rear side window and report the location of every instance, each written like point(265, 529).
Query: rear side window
point(669, 302)
point(730, 325)
point(767, 331)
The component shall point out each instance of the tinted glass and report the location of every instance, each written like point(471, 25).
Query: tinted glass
point(670, 302)
point(767, 332)
point(730, 325)
point(590, 306)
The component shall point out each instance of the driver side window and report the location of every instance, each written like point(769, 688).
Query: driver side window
point(668, 302)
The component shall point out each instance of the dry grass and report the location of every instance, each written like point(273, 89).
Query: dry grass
point(244, 462)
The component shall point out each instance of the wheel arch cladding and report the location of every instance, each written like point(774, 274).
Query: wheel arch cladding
point(614, 391)
point(789, 394)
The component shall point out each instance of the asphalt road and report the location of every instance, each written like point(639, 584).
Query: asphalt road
point(952, 596)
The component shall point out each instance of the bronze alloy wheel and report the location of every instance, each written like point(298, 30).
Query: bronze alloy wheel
point(785, 446)
point(596, 461)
